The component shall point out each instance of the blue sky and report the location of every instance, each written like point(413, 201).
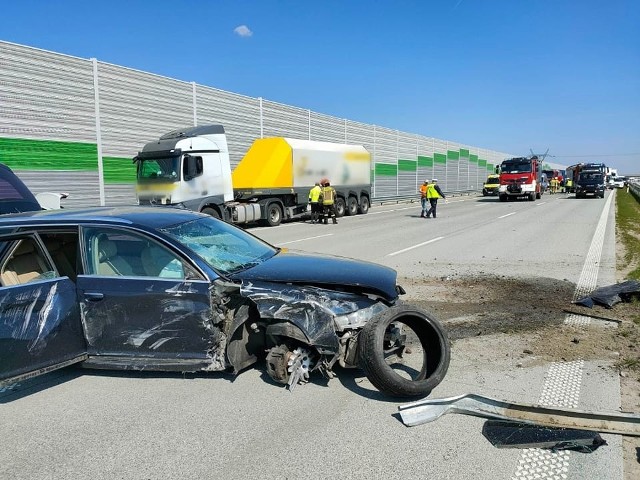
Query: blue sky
point(508, 75)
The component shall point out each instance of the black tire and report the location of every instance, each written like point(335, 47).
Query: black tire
point(503, 198)
point(211, 211)
point(340, 207)
point(435, 357)
point(274, 215)
point(364, 205)
point(484, 192)
point(352, 206)
point(538, 195)
point(531, 197)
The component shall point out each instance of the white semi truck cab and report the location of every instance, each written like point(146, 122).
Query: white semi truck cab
point(190, 168)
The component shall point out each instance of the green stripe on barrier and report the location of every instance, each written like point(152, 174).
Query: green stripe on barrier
point(25, 154)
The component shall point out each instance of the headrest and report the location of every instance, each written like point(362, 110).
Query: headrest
point(106, 249)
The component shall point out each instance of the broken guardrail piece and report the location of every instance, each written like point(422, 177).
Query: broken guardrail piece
point(424, 411)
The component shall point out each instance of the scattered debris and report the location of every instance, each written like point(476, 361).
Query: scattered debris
point(522, 435)
point(610, 295)
point(425, 411)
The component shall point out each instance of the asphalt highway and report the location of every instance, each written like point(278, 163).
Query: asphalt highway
point(78, 423)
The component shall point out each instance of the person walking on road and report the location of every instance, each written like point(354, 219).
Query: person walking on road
point(314, 200)
point(433, 194)
point(328, 202)
point(423, 197)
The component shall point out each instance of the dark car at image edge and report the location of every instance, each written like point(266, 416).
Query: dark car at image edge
point(139, 288)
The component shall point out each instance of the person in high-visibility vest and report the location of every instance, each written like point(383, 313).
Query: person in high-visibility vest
point(314, 200)
point(423, 197)
point(328, 202)
point(433, 194)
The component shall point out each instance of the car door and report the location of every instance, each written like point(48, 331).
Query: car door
point(142, 304)
point(40, 328)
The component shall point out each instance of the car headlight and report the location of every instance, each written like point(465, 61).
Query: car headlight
point(357, 318)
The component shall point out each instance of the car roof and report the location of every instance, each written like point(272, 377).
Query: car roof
point(14, 194)
point(150, 217)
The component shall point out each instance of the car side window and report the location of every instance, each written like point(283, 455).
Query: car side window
point(25, 263)
point(112, 252)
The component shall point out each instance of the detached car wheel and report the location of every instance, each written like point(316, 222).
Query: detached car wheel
point(404, 352)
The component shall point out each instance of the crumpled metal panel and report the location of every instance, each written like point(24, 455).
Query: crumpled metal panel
point(308, 308)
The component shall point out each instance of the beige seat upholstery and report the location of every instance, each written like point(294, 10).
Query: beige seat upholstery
point(158, 262)
point(25, 265)
point(109, 262)
point(56, 250)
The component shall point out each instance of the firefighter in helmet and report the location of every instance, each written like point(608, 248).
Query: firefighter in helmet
point(328, 202)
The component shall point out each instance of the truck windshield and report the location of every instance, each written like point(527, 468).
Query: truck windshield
point(590, 177)
point(225, 248)
point(165, 169)
point(515, 167)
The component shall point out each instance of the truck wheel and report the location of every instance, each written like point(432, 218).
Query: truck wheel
point(274, 215)
point(404, 352)
point(532, 197)
point(340, 207)
point(364, 205)
point(211, 211)
point(503, 198)
point(352, 206)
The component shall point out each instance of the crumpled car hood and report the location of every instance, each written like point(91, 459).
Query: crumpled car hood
point(324, 271)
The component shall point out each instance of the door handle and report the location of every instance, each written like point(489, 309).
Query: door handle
point(93, 296)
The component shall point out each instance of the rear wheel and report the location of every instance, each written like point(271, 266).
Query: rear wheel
point(274, 215)
point(352, 206)
point(340, 207)
point(404, 352)
point(211, 211)
point(364, 205)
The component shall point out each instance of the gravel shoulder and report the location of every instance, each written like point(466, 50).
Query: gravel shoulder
point(534, 310)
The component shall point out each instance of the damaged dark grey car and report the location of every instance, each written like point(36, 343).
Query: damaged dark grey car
point(164, 289)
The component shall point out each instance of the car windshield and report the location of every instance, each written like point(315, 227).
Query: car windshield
point(224, 247)
point(164, 169)
point(493, 181)
point(515, 167)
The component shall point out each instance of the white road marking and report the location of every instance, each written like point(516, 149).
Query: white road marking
point(540, 203)
point(305, 239)
point(415, 246)
point(378, 213)
point(507, 215)
point(562, 383)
